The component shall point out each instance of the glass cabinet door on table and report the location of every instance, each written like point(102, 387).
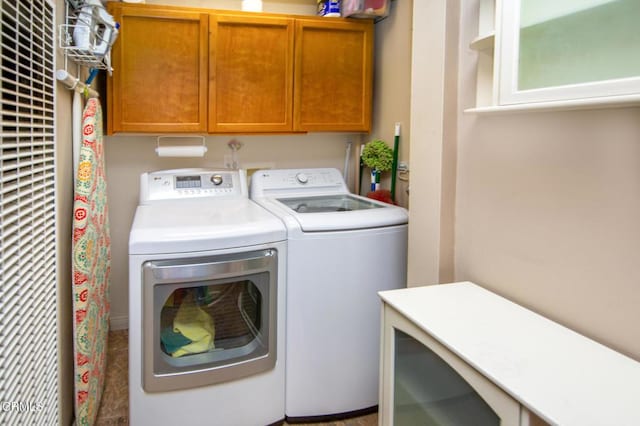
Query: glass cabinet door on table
point(429, 392)
point(425, 383)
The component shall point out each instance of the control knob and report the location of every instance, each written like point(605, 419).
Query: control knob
point(302, 178)
point(216, 179)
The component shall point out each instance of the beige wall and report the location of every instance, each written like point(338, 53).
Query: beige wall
point(548, 210)
point(129, 156)
point(449, 144)
point(64, 193)
point(392, 89)
point(546, 204)
point(296, 7)
point(433, 142)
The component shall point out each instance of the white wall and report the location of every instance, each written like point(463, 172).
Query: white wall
point(548, 210)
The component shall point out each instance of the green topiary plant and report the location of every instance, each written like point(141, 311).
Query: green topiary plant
point(377, 155)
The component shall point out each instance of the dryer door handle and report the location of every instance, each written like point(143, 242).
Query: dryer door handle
point(206, 268)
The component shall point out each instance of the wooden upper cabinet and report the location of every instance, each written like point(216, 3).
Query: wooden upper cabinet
point(160, 63)
point(333, 75)
point(184, 70)
point(250, 74)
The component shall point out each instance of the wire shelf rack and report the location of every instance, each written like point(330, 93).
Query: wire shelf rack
point(86, 36)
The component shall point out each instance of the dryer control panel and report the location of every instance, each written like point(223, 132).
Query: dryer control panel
point(192, 183)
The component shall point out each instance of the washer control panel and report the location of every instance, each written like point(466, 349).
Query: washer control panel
point(302, 177)
point(192, 183)
point(268, 182)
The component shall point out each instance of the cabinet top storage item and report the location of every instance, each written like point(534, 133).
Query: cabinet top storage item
point(562, 376)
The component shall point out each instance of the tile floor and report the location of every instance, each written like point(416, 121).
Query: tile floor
point(114, 409)
point(115, 400)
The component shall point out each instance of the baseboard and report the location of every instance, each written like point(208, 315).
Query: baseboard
point(119, 322)
point(333, 418)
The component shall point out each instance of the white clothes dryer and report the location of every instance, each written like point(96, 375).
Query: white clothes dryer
point(342, 250)
point(206, 303)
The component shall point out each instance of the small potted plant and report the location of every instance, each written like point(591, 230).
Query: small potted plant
point(378, 156)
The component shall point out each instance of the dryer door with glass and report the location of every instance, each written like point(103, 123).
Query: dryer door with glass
point(208, 319)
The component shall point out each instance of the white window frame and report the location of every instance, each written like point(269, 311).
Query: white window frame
point(615, 91)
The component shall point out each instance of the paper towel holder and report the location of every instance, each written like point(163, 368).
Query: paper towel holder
point(181, 150)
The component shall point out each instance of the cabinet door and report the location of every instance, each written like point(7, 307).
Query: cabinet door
point(160, 66)
point(251, 74)
point(424, 383)
point(333, 75)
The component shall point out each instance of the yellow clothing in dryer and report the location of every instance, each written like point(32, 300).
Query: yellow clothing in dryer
point(196, 325)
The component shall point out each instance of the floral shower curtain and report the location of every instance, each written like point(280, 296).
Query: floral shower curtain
point(91, 263)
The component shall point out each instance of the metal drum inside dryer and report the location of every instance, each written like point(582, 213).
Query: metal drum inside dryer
point(342, 250)
point(207, 297)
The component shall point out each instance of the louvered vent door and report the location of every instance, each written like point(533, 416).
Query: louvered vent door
point(28, 344)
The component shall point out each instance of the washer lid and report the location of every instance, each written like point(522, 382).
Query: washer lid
point(198, 225)
point(337, 212)
point(328, 203)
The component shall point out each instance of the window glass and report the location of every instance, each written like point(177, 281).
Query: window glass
point(577, 41)
point(211, 319)
point(570, 52)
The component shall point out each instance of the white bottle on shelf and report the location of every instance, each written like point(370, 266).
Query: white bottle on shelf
point(106, 32)
point(83, 28)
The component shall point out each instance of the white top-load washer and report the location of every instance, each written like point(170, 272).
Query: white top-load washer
point(207, 294)
point(342, 250)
